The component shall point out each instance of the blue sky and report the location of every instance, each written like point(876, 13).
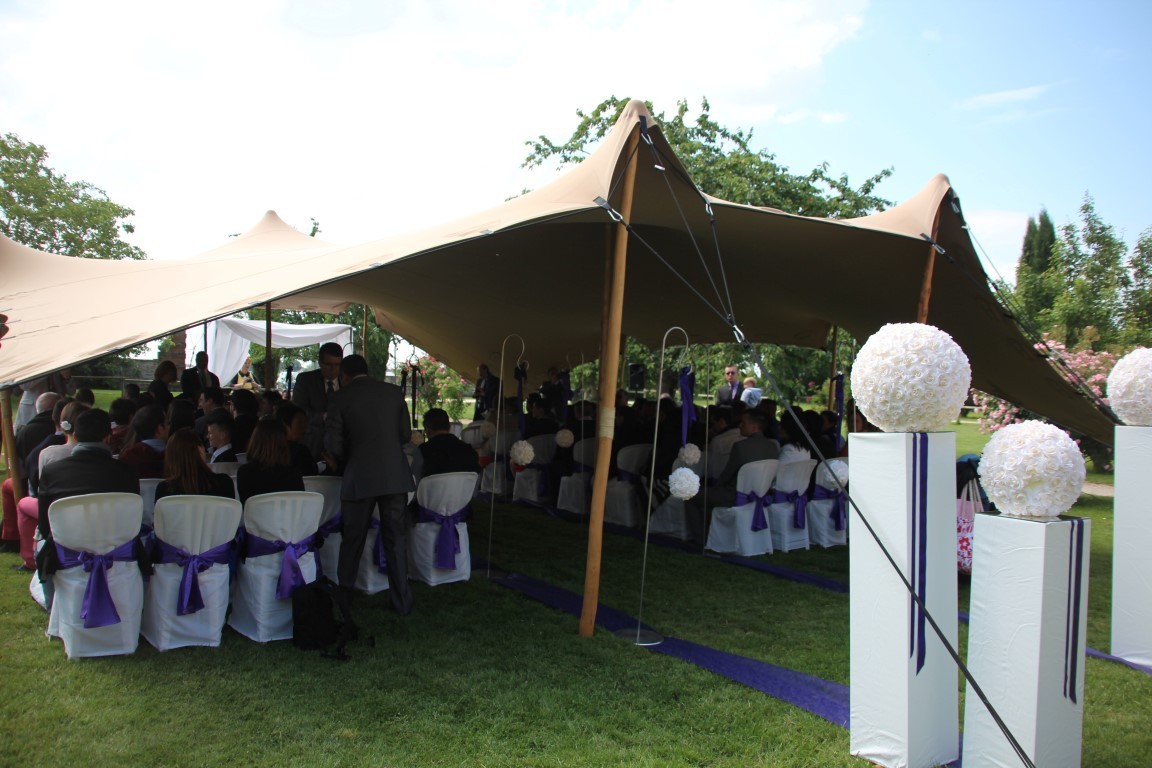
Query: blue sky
point(379, 118)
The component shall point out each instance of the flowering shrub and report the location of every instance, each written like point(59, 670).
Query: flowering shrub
point(442, 387)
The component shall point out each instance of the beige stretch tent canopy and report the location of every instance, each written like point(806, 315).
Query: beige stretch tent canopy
point(535, 266)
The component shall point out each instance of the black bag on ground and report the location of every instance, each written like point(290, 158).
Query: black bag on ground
point(322, 618)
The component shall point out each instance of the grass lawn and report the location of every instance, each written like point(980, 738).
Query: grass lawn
point(479, 675)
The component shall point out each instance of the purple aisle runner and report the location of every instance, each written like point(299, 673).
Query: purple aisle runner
point(822, 698)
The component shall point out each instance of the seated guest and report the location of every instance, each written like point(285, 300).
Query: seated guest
point(814, 425)
point(187, 474)
point(245, 408)
point(130, 391)
point(90, 468)
point(121, 412)
point(828, 423)
point(269, 468)
point(86, 396)
point(57, 446)
point(754, 447)
point(751, 394)
point(181, 414)
point(54, 440)
point(269, 400)
point(442, 452)
point(793, 447)
point(146, 440)
point(210, 400)
point(295, 421)
point(165, 374)
point(28, 436)
point(220, 428)
point(725, 433)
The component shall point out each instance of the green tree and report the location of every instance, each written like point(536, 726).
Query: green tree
point(1138, 293)
point(1035, 290)
point(1088, 268)
point(43, 209)
point(723, 163)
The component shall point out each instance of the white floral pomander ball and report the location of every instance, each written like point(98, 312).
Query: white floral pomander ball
point(1130, 388)
point(487, 430)
point(910, 377)
point(565, 438)
point(689, 455)
point(684, 483)
point(522, 453)
point(830, 471)
point(1032, 469)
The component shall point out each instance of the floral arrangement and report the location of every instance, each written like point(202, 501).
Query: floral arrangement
point(522, 453)
point(832, 471)
point(565, 438)
point(689, 455)
point(1130, 388)
point(1032, 469)
point(911, 377)
point(684, 483)
point(487, 430)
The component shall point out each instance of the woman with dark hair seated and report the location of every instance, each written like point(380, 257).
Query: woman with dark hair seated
point(186, 473)
point(793, 446)
point(269, 468)
point(181, 414)
point(165, 374)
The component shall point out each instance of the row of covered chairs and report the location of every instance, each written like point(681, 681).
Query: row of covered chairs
point(101, 606)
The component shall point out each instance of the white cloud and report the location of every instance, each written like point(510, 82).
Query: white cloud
point(1003, 98)
point(832, 118)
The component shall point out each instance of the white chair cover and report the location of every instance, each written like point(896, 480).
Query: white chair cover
point(471, 435)
point(290, 516)
point(626, 502)
point(494, 479)
point(731, 527)
point(576, 489)
point(328, 486)
point(528, 483)
point(671, 517)
point(97, 523)
point(445, 494)
point(227, 468)
point(148, 494)
point(793, 476)
point(242, 458)
point(196, 525)
point(371, 578)
point(456, 428)
point(821, 523)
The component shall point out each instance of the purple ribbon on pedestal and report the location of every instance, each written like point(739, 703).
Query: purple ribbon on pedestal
point(800, 512)
point(291, 576)
point(687, 402)
point(759, 521)
point(98, 608)
point(839, 504)
point(189, 599)
point(379, 558)
point(448, 538)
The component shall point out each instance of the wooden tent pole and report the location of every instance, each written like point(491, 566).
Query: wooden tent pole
point(832, 370)
point(269, 365)
point(606, 413)
point(15, 471)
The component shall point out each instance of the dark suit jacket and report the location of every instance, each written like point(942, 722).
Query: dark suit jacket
point(366, 428)
point(447, 453)
point(190, 381)
point(33, 433)
point(724, 394)
point(754, 448)
point(308, 392)
point(227, 457)
point(32, 465)
point(85, 471)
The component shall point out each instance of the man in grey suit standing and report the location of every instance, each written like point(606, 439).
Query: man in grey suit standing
point(311, 392)
point(366, 428)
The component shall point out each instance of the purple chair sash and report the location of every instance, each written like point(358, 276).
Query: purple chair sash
point(98, 608)
point(291, 576)
point(335, 525)
point(448, 539)
point(625, 476)
point(839, 499)
point(378, 556)
point(189, 600)
point(759, 521)
point(800, 500)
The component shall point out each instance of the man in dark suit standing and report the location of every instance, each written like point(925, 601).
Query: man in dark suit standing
point(730, 390)
point(90, 469)
point(311, 392)
point(198, 378)
point(442, 452)
point(366, 428)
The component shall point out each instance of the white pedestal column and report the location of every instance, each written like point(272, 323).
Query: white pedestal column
point(904, 700)
point(1026, 639)
point(1132, 542)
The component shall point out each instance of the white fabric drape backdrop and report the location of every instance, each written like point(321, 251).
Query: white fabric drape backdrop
point(229, 337)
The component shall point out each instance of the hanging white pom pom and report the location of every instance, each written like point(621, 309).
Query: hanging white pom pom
point(831, 471)
point(565, 438)
point(689, 455)
point(684, 483)
point(522, 453)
